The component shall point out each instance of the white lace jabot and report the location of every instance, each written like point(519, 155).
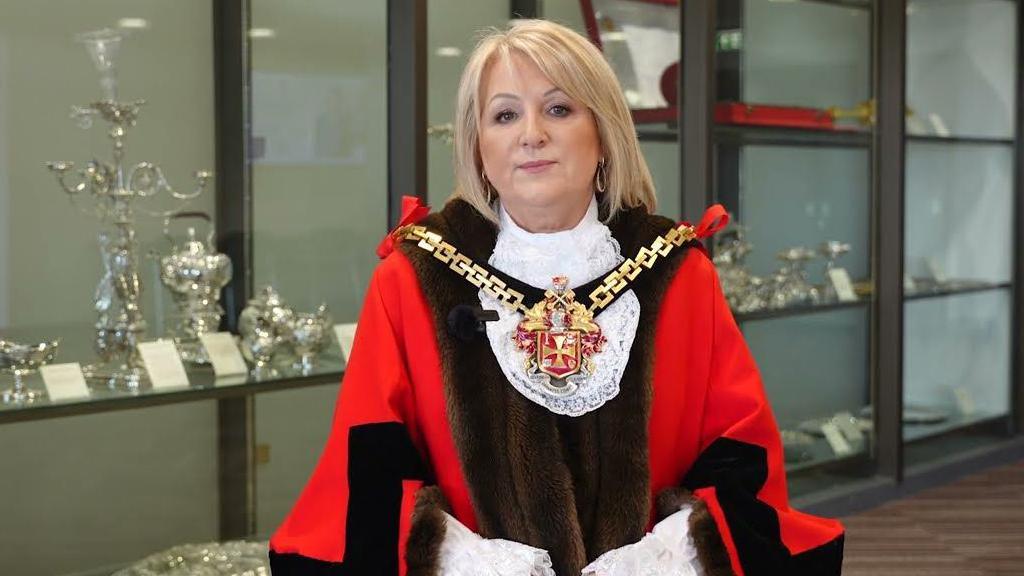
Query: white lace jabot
point(583, 254)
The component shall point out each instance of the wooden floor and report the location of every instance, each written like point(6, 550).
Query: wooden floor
point(973, 527)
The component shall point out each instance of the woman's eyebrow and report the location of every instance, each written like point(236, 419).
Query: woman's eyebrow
point(514, 97)
point(504, 95)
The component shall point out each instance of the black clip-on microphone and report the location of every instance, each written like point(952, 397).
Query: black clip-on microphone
point(465, 321)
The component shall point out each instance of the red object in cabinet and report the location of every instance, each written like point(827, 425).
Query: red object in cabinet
point(781, 116)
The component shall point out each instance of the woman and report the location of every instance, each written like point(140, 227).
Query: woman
point(546, 377)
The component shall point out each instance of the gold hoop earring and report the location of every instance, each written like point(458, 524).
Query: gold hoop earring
point(601, 177)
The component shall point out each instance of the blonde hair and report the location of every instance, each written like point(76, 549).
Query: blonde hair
point(579, 69)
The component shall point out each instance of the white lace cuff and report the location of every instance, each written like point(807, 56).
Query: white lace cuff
point(667, 551)
point(465, 553)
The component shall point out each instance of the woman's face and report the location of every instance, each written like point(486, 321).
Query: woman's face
point(539, 148)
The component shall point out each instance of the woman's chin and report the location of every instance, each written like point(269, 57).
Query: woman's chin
point(546, 196)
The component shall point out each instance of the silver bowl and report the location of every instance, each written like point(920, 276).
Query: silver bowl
point(21, 359)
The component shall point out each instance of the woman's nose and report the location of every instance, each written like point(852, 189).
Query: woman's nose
point(534, 132)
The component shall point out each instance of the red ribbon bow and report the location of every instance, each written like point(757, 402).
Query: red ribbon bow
point(715, 218)
point(413, 210)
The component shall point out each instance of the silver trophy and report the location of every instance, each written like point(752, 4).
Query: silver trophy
point(195, 273)
point(311, 331)
point(21, 359)
point(791, 287)
point(744, 291)
point(115, 191)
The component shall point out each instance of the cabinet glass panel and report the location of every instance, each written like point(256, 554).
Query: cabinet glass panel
point(959, 186)
point(796, 64)
point(74, 486)
point(818, 371)
point(319, 85)
point(453, 29)
point(795, 173)
point(958, 217)
point(961, 68)
point(956, 372)
point(640, 39)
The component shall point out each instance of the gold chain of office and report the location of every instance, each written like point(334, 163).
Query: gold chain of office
point(615, 282)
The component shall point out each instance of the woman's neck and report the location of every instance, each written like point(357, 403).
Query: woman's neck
point(547, 221)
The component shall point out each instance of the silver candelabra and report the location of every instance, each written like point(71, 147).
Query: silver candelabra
point(115, 191)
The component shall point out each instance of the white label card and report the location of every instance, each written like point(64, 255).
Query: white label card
point(840, 279)
point(163, 364)
point(835, 439)
point(224, 354)
point(964, 400)
point(346, 335)
point(844, 421)
point(64, 381)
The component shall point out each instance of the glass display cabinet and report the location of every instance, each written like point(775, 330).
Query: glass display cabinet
point(792, 156)
point(961, 195)
point(634, 36)
point(792, 163)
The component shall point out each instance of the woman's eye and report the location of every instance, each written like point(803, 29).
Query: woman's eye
point(505, 116)
point(559, 110)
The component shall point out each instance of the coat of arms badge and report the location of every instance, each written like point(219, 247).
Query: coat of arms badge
point(559, 337)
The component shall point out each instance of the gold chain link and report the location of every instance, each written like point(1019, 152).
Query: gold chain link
point(613, 283)
point(618, 279)
point(463, 266)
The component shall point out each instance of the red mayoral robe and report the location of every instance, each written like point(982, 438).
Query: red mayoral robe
point(426, 423)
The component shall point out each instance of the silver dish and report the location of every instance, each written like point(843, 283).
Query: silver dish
point(235, 558)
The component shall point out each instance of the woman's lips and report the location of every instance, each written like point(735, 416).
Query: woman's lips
point(535, 166)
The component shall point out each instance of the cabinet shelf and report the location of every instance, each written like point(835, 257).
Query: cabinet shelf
point(743, 135)
point(820, 455)
point(963, 287)
point(203, 386)
point(919, 432)
point(800, 310)
point(859, 4)
point(982, 141)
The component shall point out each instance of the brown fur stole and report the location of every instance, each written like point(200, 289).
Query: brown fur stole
point(576, 487)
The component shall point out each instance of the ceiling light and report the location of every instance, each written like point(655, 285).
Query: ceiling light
point(448, 52)
point(133, 23)
point(262, 33)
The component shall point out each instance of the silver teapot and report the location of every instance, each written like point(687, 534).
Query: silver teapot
point(195, 273)
point(266, 328)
